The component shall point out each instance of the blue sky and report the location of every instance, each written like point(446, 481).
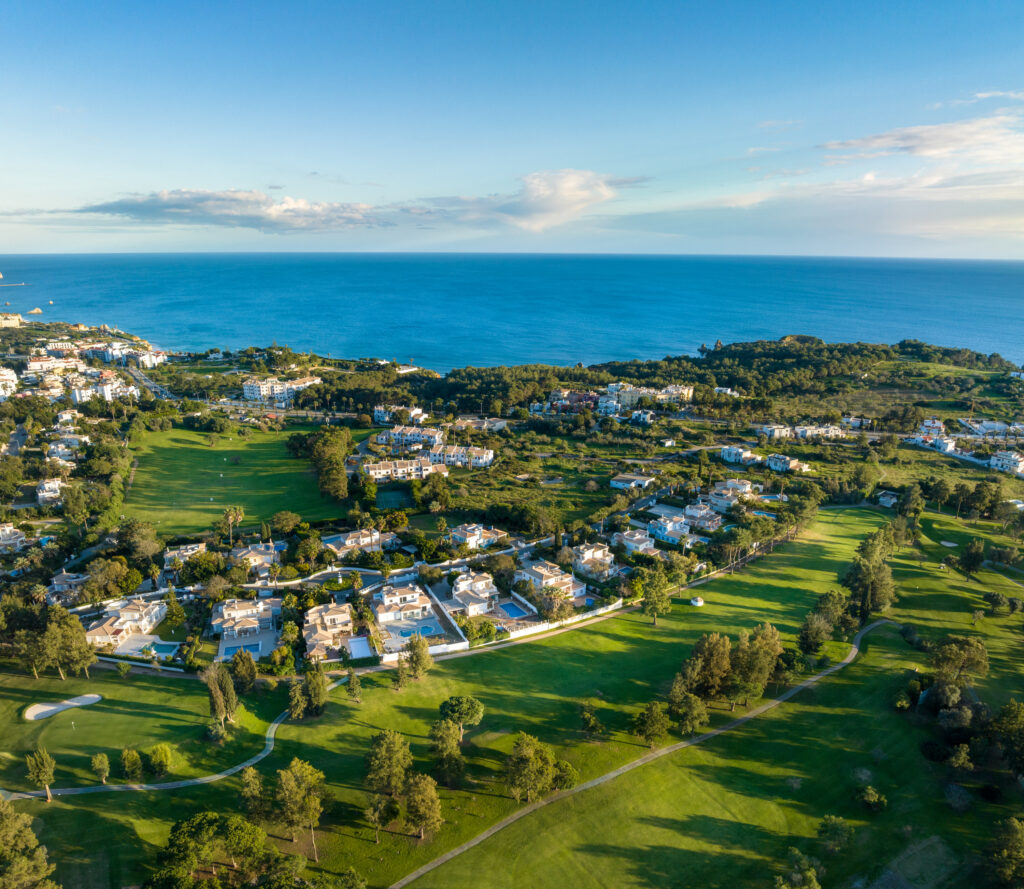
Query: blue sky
point(782, 127)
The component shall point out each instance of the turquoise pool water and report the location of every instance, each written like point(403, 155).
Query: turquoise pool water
point(422, 630)
point(513, 611)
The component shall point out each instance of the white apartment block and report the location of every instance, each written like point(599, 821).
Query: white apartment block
point(404, 436)
point(273, 389)
point(403, 470)
point(678, 394)
point(383, 413)
point(1007, 461)
point(466, 458)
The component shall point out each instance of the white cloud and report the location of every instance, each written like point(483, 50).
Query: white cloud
point(996, 139)
point(545, 199)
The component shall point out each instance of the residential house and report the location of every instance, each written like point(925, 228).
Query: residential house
point(135, 616)
point(627, 480)
point(888, 499)
point(826, 431)
point(237, 618)
point(944, 445)
point(725, 390)
point(636, 542)
point(702, 516)
point(932, 426)
point(404, 602)
point(183, 553)
point(546, 575)
point(326, 630)
point(670, 529)
point(257, 557)
point(594, 560)
point(782, 463)
point(365, 540)
point(476, 536)
point(642, 418)
point(384, 413)
point(48, 492)
point(1007, 461)
point(735, 454)
point(721, 500)
point(403, 470)
point(774, 432)
point(473, 593)
point(11, 539)
point(405, 436)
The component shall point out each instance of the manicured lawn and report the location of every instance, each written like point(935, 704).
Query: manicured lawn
point(183, 485)
point(141, 711)
point(725, 813)
point(619, 665)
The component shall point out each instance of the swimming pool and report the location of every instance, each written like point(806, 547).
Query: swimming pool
point(513, 610)
point(590, 602)
point(421, 630)
point(252, 649)
point(164, 648)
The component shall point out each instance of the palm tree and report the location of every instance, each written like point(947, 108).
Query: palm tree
point(233, 516)
point(275, 571)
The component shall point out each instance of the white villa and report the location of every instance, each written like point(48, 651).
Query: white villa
point(473, 593)
point(273, 389)
point(137, 616)
point(235, 618)
point(774, 431)
point(625, 481)
point(670, 529)
point(404, 436)
point(366, 539)
point(326, 630)
point(735, 454)
point(455, 455)
point(932, 426)
point(700, 515)
point(383, 413)
point(48, 492)
point(635, 541)
point(406, 602)
point(545, 574)
point(782, 463)
point(403, 470)
point(1007, 461)
point(476, 536)
point(826, 431)
point(11, 539)
point(183, 553)
point(594, 559)
point(256, 557)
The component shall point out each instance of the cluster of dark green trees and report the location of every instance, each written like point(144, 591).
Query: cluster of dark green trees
point(327, 449)
point(23, 862)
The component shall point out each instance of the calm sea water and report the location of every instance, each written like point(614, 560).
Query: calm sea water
point(444, 311)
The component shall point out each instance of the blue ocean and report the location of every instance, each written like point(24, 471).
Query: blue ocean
point(447, 310)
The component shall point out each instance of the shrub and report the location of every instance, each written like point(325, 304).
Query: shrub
point(871, 798)
point(934, 751)
point(901, 701)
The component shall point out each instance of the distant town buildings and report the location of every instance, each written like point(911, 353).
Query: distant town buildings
point(1007, 461)
point(273, 389)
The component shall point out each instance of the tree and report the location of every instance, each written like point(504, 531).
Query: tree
point(959, 659)
point(284, 522)
point(689, 711)
point(400, 678)
point(380, 812)
point(814, 633)
point(834, 833)
point(803, 873)
point(210, 677)
point(243, 671)
point(160, 759)
point(445, 740)
point(529, 769)
point(315, 689)
point(388, 762)
point(100, 765)
point(656, 598)
point(422, 804)
point(651, 724)
point(244, 842)
point(463, 710)
point(41, 767)
point(252, 794)
point(960, 759)
point(23, 863)
point(297, 702)
point(227, 691)
point(124, 669)
point(175, 616)
point(420, 661)
point(711, 663)
point(1006, 854)
point(354, 686)
point(591, 724)
point(299, 796)
point(233, 516)
point(1008, 730)
point(871, 798)
point(131, 765)
point(973, 558)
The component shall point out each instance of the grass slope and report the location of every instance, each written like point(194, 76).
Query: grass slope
point(183, 485)
point(620, 664)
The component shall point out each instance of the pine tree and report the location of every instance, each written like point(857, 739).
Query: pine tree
point(354, 686)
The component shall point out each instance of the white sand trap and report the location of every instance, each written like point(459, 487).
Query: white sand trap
point(950, 544)
point(41, 711)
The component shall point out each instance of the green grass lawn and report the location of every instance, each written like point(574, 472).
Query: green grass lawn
point(619, 664)
point(183, 485)
point(141, 711)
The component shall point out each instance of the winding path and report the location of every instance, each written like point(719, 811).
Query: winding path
point(643, 760)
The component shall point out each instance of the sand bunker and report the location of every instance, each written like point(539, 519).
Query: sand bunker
point(950, 544)
point(41, 711)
